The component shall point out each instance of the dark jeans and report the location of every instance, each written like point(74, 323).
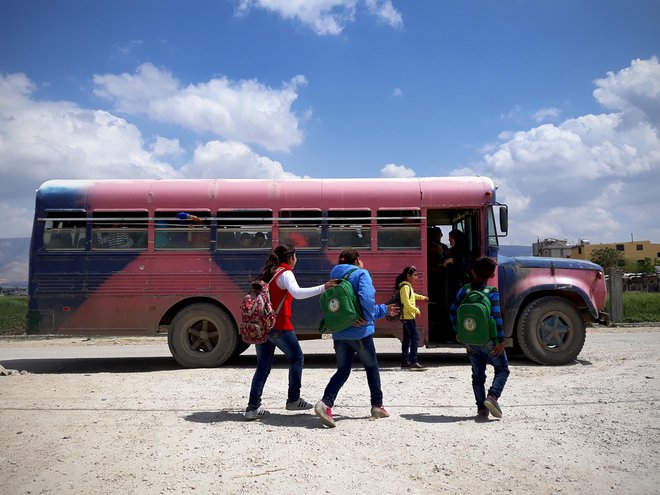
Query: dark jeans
point(345, 350)
point(287, 342)
point(480, 356)
point(410, 341)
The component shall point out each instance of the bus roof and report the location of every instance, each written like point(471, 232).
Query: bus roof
point(267, 193)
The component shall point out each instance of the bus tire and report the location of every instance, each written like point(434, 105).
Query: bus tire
point(240, 348)
point(551, 331)
point(202, 336)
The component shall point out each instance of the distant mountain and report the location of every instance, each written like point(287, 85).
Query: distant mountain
point(14, 254)
point(516, 250)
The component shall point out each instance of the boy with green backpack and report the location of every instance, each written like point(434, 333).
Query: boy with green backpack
point(477, 321)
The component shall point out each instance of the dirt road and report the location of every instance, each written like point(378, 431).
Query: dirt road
point(142, 425)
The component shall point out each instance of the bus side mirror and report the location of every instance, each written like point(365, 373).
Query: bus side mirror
point(504, 219)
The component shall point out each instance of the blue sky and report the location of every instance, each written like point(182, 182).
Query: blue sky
point(558, 101)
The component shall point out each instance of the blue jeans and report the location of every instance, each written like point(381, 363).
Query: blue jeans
point(287, 342)
point(410, 341)
point(480, 356)
point(345, 350)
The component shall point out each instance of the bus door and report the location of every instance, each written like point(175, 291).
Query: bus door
point(448, 264)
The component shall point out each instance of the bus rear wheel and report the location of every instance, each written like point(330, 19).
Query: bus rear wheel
point(551, 331)
point(202, 336)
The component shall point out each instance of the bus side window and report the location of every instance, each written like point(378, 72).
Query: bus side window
point(349, 228)
point(182, 230)
point(301, 228)
point(119, 230)
point(64, 230)
point(399, 229)
point(245, 229)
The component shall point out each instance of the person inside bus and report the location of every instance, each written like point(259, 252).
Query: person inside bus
point(282, 335)
point(458, 263)
point(59, 240)
point(438, 252)
point(259, 240)
point(246, 240)
point(116, 238)
point(188, 238)
point(357, 339)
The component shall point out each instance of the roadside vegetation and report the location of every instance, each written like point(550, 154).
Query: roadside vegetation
point(12, 315)
point(638, 307)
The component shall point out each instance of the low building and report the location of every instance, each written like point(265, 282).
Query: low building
point(552, 248)
point(633, 250)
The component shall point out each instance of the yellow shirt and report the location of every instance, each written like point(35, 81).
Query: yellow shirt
point(408, 298)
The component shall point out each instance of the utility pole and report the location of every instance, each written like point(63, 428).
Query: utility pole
point(616, 293)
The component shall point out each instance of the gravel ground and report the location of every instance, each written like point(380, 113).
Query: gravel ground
point(143, 425)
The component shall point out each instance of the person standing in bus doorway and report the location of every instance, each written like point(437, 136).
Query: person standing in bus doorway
point(493, 352)
point(357, 339)
point(409, 311)
point(280, 265)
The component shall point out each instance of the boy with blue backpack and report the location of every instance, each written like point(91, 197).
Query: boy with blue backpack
point(477, 321)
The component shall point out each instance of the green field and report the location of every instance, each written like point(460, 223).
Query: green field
point(638, 307)
point(12, 315)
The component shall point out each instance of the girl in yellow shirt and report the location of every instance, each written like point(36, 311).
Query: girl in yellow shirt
point(409, 311)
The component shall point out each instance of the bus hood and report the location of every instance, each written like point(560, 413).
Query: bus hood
point(539, 262)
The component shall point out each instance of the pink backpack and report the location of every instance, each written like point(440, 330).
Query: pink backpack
point(257, 315)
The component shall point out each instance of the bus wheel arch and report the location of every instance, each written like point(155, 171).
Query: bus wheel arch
point(202, 335)
point(551, 330)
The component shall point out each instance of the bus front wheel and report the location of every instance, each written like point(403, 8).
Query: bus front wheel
point(551, 331)
point(202, 336)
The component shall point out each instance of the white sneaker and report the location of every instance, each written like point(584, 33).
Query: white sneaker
point(298, 405)
point(325, 414)
point(259, 413)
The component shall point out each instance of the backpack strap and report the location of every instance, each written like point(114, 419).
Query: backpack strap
point(349, 272)
point(279, 272)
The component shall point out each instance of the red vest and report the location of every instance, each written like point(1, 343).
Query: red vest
point(283, 321)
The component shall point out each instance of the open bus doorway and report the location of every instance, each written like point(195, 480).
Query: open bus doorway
point(448, 266)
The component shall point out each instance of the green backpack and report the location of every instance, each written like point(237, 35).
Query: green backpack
point(340, 307)
point(474, 324)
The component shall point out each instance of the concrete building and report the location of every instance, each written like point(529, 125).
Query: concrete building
point(633, 250)
point(552, 248)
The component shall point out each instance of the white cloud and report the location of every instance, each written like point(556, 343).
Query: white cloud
point(232, 160)
point(14, 272)
point(594, 176)
point(546, 114)
point(46, 139)
point(325, 17)
point(512, 114)
point(42, 140)
point(164, 146)
point(634, 89)
point(385, 12)
point(17, 215)
point(397, 92)
point(392, 170)
point(245, 111)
